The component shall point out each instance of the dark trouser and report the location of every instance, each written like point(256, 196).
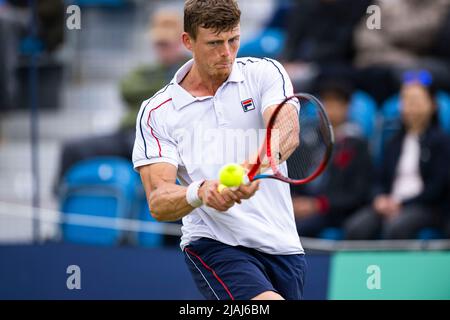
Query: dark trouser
point(368, 224)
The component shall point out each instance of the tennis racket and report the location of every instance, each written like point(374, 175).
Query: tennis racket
point(300, 133)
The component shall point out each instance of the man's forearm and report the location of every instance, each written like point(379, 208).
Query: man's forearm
point(285, 134)
point(168, 202)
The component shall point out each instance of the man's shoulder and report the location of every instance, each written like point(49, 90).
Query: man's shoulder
point(159, 97)
point(252, 62)
point(248, 61)
point(158, 100)
point(258, 66)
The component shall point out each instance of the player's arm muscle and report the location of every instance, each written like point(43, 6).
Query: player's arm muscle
point(166, 199)
point(288, 131)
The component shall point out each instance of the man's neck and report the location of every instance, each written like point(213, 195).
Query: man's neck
point(200, 84)
point(418, 128)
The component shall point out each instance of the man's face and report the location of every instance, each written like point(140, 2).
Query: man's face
point(215, 53)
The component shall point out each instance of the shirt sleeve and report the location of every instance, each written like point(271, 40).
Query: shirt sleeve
point(152, 144)
point(276, 85)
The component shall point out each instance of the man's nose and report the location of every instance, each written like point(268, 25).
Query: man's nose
point(226, 50)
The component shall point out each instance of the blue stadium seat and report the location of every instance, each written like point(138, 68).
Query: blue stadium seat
point(269, 43)
point(102, 187)
point(332, 234)
point(430, 234)
point(363, 111)
point(444, 110)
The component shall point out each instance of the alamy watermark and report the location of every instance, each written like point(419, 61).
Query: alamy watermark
point(374, 20)
point(73, 21)
point(73, 282)
point(213, 146)
point(374, 279)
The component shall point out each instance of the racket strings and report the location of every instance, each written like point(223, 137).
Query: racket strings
point(314, 138)
point(285, 129)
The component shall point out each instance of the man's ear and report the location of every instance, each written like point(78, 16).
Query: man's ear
point(187, 40)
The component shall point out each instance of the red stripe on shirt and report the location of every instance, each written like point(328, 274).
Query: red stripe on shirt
point(151, 129)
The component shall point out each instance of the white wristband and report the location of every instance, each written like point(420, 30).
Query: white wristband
point(192, 194)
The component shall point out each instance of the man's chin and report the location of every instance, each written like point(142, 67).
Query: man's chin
point(223, 72)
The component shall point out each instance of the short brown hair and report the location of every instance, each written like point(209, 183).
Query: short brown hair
point(220, 15)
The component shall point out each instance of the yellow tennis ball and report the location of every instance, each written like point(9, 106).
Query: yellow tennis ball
point(231, 175)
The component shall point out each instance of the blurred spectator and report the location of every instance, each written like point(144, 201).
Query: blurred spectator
point(51, 21)
point(50, 15)
point(165, 34)
point(411, 187)
point(13, 22)
point(345, 185)
point(19, 41)
point(320, 39)
point(413, 34)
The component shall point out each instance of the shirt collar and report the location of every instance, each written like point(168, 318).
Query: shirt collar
point(181, 98)
point(236, 74)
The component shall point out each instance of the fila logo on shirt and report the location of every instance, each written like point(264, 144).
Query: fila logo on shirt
point(248, 105)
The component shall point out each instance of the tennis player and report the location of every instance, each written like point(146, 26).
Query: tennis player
point(240, 244)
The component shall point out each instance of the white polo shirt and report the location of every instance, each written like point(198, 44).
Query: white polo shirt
point(199, 135)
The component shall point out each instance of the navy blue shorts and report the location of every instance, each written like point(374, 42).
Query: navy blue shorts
point(223, 272)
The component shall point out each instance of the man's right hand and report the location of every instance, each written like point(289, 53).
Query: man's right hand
point(386, 206)
point(222, 201)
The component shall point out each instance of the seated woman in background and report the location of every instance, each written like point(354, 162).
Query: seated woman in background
point(345, 185)
point(411, 187)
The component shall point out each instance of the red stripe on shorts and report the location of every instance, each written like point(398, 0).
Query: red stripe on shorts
point(212, 271)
